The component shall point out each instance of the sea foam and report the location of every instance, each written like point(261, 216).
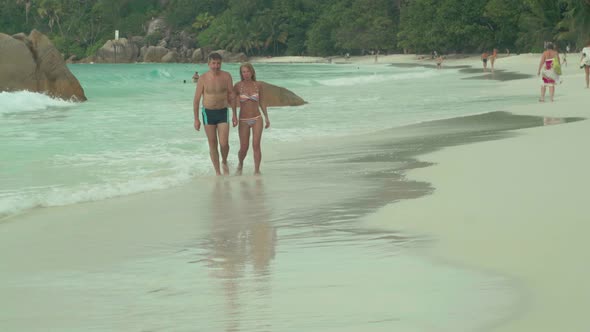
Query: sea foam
point(378, 78)
point(26, 101)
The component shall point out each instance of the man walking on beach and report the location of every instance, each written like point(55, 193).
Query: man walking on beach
point(484, 59)
point(215, 86)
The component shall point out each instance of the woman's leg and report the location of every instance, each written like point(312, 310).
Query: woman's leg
point(256, 138)
point(542, 93)
point(244, 133)
point(551, 91)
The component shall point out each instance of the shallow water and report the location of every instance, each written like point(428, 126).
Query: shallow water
point(135, 132)
point(281, 252)
point(269, 253)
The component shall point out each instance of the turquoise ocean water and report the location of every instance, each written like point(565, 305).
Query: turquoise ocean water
point(135, 132)
point(281, 252)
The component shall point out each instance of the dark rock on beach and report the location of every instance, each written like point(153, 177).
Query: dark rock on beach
point(117, 51)
point(32, 63)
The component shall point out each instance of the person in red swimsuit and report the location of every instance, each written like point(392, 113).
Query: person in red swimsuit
point(547, 71)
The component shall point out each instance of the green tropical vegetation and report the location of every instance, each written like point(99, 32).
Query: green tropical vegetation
point(308, 27)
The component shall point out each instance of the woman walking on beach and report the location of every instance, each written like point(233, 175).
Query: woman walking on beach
point(549, 60)
point(493, 58)
point(585, 62)
point(249, 94)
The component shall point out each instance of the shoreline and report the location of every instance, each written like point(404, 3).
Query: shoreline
point(385, 59)
point(540, 157)
point(515, 206)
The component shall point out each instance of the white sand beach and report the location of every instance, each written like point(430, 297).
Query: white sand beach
point(517, 206)
point(508, 209)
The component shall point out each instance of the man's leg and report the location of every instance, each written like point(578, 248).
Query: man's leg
point(223, 132)
point(211, 131)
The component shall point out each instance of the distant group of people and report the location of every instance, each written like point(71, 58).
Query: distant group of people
point(216, 89)
point(438, 59)
point(550, 68)
point(485, 57)
point(218, 92)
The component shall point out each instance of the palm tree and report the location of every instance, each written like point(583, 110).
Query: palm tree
point(27, 4)
point(203, 21)
point(274, 27)
point(51, 9)
point(236, 36)
point(575, 23)
point(539, 23)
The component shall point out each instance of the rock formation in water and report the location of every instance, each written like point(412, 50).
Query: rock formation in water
point(32, 63)
point(278, 96)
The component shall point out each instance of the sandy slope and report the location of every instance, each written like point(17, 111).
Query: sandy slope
point(517, 206)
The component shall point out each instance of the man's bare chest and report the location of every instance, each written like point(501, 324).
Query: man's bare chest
point(216, 85)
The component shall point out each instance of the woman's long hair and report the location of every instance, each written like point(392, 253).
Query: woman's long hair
point(249, 66)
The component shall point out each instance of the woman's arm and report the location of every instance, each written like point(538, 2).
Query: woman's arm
point(541, 63)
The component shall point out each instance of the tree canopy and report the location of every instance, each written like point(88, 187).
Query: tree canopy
point(310, 27)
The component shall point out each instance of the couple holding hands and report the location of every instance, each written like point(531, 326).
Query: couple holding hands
point(217, 90)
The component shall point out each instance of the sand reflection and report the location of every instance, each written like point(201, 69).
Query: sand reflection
point(242, 247)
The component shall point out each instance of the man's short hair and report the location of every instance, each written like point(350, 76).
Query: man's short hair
point(214, 56)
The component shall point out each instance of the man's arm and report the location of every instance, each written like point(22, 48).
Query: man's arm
point(234, 105)
point(230, 89)
point(232, 100)
point(197, 102)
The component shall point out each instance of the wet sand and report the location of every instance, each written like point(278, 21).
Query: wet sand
point(516, 206)
point(276, 252)
point(474, 72)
